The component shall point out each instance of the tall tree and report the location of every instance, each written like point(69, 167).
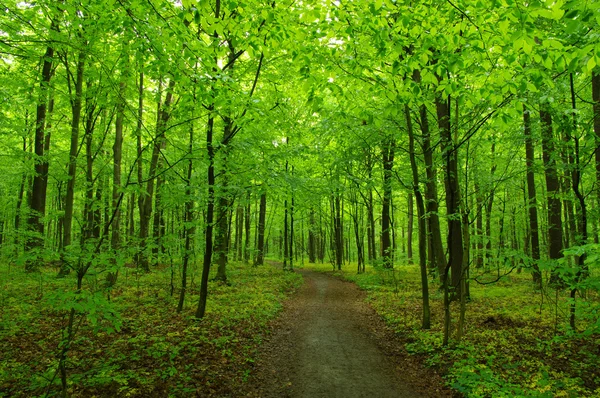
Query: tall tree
point(555, 228)
point(388, 151)
point(76, 94)
point(37, 204)
point(531, 195)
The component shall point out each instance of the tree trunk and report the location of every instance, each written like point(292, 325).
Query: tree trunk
point(596, 112)
point(555, 231)
point(488, 212)
point(388, 164)
point(338, 232)
point(455, 241)
point(426, 319)
point(371, 226)
point(291, 253)
point(72, 167)
point(145, 200)
point(582, 269)
point(210, 206)
point(247, 224)
point(262, 213)
point(409, 229)
point(188, 230)
point(285, 233)
point(21, 193)
point(479, 225)
point(437, 256)
point(312, 249)
point(221, 245)
point(88, 213)
point(532, 201)
point(115, 240)
point(40, 179)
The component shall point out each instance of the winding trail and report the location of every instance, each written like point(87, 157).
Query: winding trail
point(329, 343)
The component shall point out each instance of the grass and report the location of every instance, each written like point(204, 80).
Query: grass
point(135, 345)
point(516, 342)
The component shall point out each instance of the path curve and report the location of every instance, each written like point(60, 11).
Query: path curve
point(329, 343)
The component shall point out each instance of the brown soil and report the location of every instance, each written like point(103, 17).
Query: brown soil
point(330, 343)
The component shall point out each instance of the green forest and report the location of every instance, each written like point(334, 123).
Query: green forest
point(177, 175)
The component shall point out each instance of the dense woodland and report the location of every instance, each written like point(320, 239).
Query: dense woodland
point(162, 153)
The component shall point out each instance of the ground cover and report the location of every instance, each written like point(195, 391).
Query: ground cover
point(135, 344)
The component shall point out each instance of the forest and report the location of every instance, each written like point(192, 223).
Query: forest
point(174, 172)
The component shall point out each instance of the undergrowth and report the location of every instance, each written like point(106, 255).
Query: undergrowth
point(517, 342)
point(135, 344)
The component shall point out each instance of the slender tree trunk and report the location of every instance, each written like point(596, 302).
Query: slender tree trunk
point(555, 230)
point(488, 212)
point(189, 229)
point(115, 241)
point(410, 227)
point(371, 226)
point(338, 231)
point(357, 234)
point(582, 270)
point(285, 233)
point(146, 199)
point(238, 249)
point(312, 249)
point(388, 164)
point(210, 206)
point(532, 201)
point(88, 213)
point(138, 134)
point(247, 223)
point(455, 240)
point(21, 193)
point(479, 225)
point(72, 167)
point(426, 320)
point(40, 179)
point(291, 252)
point(596, 112)
point(262, 213)
point(437, 257)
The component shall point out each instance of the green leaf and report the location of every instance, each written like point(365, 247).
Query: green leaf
point(591, 64)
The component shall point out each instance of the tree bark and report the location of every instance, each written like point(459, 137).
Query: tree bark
point(437, 256)
point(262, 213)
point(582, 269)
point(291, 252)
point(338, 231)
point(312, 249)
point(221, 243)
point(555, 230)
point(426, 319)
point(409, 229)
point(532, 201)
point(40, 179)
point(247, 224)
point(72, 166)
point(210, 206)
point(388, 148)
point(453, 211)
point(596, 112)
point(145, 200)
point(188, 229)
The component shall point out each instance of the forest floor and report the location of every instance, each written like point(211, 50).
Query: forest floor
point(329, 342)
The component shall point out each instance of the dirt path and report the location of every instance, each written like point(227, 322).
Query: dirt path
point(330, 343)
